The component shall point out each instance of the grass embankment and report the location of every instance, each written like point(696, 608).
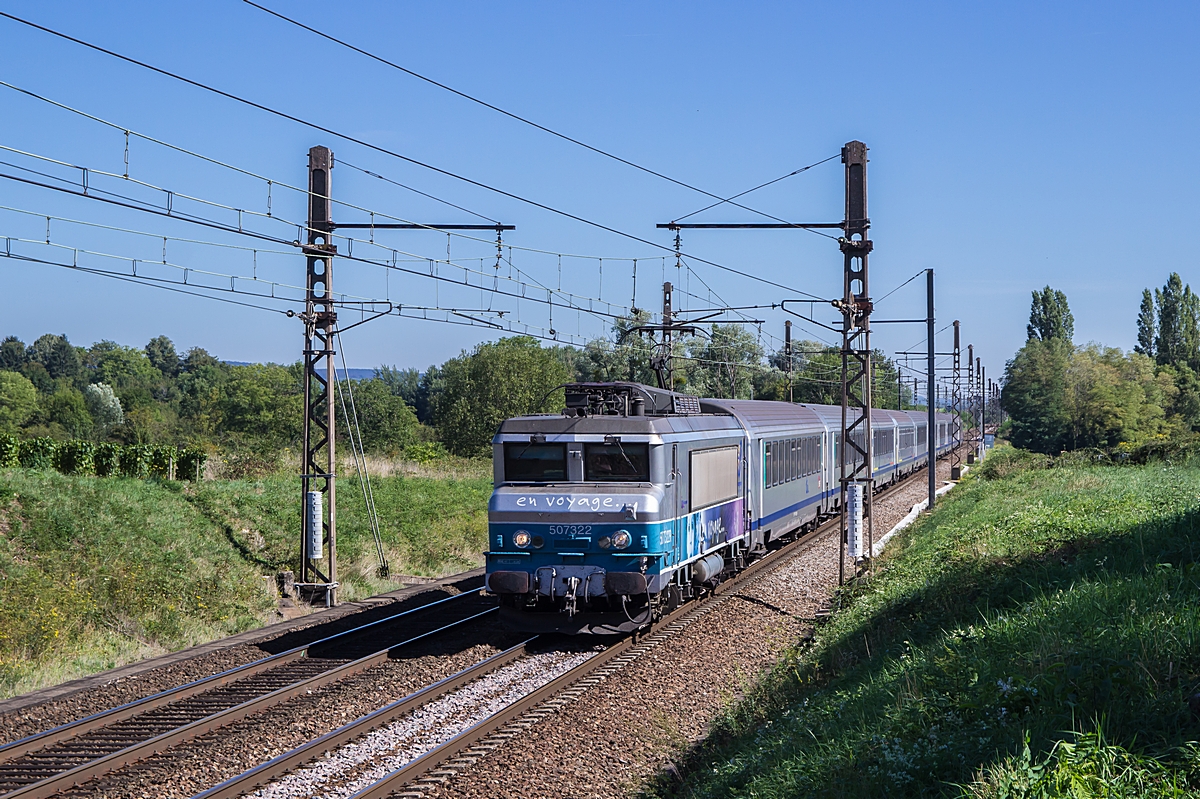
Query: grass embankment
point(1038, 635)
point(98, 572)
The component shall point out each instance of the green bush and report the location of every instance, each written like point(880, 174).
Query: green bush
point(10, 449)
point(134, 460)
point(191, 464)
point(107, 460)
point(37, 453)
point(425, 452)
point(76, 457)
point(161, 461)
point(1006, 462)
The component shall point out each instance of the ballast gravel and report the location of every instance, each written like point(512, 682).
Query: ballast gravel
point(356, 765)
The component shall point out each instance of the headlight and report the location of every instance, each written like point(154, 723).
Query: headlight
point(522, 539)
point(604, 542)
point(621, 539)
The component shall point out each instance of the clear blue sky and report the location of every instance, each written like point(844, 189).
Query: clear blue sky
point(1012, 145)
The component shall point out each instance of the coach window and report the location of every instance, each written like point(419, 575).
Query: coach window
point(534, 463)
point(616, 463)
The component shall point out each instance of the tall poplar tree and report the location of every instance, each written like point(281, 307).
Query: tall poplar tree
point(1050, 317)
point(1146, 327)
point(1177, 340)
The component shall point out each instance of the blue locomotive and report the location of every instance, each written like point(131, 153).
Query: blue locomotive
point(634, 499)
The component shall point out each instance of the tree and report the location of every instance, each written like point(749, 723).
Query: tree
point(1049, 317)
point(104, 407)
point(264, 401)
point(401, 382)
point(1146, 327)
point(1177, 340)
point(127, 370)
point(66, 412)
point(724, 363)
point(12, 354)
point(37, 374)
point(162, 356)
point(57, 355)
point(1035, 395)
point(626, 357)
point(201, 385)
point(386, 421)
point(495, 381)
point(18, 400)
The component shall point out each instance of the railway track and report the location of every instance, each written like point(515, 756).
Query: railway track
point(417, 775)
point(45, 764)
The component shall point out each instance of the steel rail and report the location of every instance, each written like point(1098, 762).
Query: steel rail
point(473, 736)
point(276, 767)
point(169, 696)
point(50, 786)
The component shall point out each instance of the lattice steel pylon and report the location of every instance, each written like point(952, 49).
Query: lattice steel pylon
point(318, 562)
point(855, 446)
point(956, 409)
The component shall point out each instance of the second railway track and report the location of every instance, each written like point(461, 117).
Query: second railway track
point(47, 763)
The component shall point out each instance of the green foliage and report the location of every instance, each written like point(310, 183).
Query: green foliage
point(161, 461)
point(107, 460)
point(134, 460)
point(263, 401)
point(99, 572)
point(66, 409)
point(425, 452)
point(104, 407)
point(162, 356)
point(58, 357)
point(386, 421)
point(724, 362)
point(1038, 608)
point(1008, 461)
point(1177, 339)
point(1049, 317)
point(1091, 768)
point(1147, 326)
point(1035, 395)
point(10, 449)
point(12, 354)
point(37, 374)
point(18, 400)
point(127, 370)
point(496, 381)
point(38, 453)
point(191, 464)
point(76, 457)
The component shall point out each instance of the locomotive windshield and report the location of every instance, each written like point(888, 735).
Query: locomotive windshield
point(535, 463)
point(622, 463)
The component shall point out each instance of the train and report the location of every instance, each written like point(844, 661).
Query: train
point(636, 499)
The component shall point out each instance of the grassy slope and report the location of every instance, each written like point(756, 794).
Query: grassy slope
point(96, 572)
point(1060, 607)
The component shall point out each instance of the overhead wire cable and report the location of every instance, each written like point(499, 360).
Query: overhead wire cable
point(394, 154)
point(139, 205)
point(283, 184)
point(756, 188)
point(517, 117)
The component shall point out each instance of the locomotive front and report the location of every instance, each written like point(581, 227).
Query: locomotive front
point(576, 521)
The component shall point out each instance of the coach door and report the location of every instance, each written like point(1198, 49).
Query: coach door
point(678, 495)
